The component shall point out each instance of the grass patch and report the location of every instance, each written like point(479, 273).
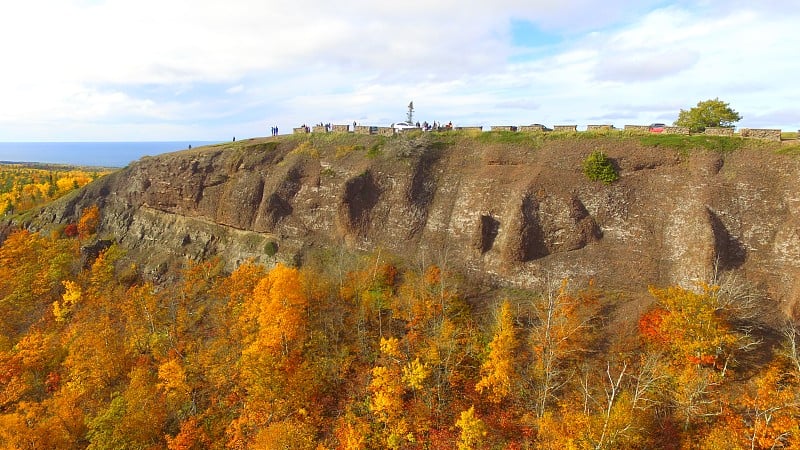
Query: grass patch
point(306, 148)
point(334, 139)
point(685, 144)
point(267, 146)
point(789, 135)
point(344, 150)
point(504, 137)
point(792, 150)
point(376, 150)
point(442, 142)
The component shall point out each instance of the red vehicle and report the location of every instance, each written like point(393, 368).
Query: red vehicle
point(657, 127)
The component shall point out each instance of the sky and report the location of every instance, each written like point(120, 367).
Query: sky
point(162, 70)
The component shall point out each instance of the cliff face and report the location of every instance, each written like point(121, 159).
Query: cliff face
point(517, 211)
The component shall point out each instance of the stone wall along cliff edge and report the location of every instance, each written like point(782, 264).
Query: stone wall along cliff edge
point(529, 128)
point(761, 133)
point(718, 131)
point(568, 128)
point(676, 130)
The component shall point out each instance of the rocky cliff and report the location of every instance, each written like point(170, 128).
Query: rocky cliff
point(513, 207)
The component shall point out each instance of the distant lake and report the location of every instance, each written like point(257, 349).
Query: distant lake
point(106, 154)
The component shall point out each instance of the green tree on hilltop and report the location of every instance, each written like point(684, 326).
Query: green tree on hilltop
point(709, 113)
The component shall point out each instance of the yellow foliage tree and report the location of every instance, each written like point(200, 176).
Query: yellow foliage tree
point(352, 432)
point(693, 330)
point(172, 381)
point(415, 373)
point(288, 433)
point(697, 330)
point(498, 372)
point(473, 430)
point(70, 298)
point(281, 310)
point(271, 368)
point(386, 402)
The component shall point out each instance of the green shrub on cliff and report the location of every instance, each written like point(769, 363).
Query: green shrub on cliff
point(598, 167)
point(271, 248)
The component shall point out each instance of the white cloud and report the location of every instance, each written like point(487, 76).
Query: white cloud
point(78, 68)
point(239, 88)
point(649, 64)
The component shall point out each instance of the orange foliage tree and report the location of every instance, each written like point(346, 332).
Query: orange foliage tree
point(271, 367)
point(694, 329)
point(90, 219)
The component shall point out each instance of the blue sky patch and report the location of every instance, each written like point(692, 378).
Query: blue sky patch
point(530, 42)
point(526, 34)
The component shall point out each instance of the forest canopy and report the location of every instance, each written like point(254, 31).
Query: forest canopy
point(370, 353)
point(25, 186)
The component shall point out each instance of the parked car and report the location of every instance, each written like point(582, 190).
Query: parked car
point(402, 126)
point(657, 127)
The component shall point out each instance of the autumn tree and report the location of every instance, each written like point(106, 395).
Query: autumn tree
point(473, 430)
point(386, 402)
point(561, 333)
point(134, 419)
point(90, 219)
point(694, 327)
point(271, 367)
point(439, 337)
point(288, 433)
point(71, 296)
point(32, 268)
point(23, 187)
point(191, 437)
point(763, 412)
point(213, 375)
point(281, 311)
point(770, 409)
point(697, 334)
point(498, 372)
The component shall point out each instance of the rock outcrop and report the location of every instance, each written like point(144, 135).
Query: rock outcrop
point(516, 212)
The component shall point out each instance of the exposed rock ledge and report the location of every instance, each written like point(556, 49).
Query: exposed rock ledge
point(515, 212)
